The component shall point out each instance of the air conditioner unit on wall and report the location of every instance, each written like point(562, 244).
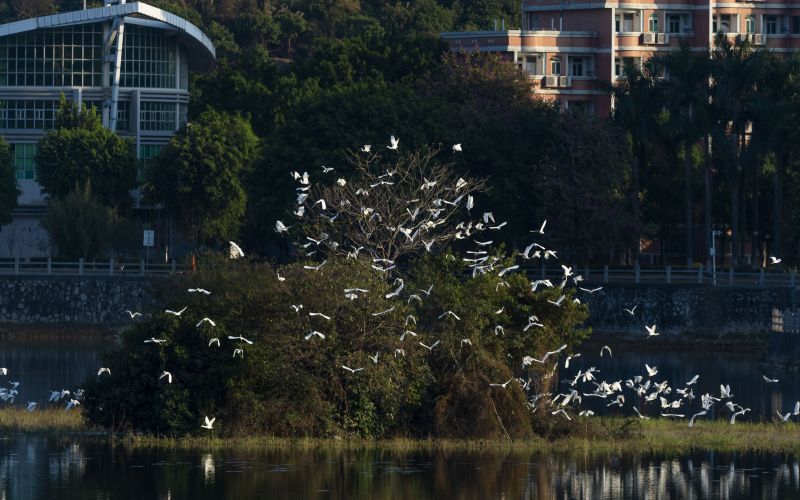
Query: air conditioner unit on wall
point(759, 39)
point(565, 82)
point(663, 38)
point(551, 81)
point(649, 38)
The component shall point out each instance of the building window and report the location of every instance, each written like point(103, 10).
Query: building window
point(28, 114)
point(653, 24)
point(721, 23)
point(146, 154)
point(555, 66)
point(581, 66)
point(796, 24)
point(24, 164)
point(64, 57)
point(123, 113)
point(526, 63)
point(158, 116)
point(620, 63)
point(533, 21)
point(148, 59)
point(770, 25)
point(577, 66)
point(750, 24)
point(674, 23)
point(624, 22)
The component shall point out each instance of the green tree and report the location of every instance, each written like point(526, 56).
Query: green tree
point(686, 92)
point(78, 224)
point(638, 109)
point(81, 151)
point(199, 176)
point(583, 181)
point(737, 72)
point(9, 190)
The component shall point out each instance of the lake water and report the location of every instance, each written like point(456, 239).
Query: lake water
point(70, 468)
point(36, 468)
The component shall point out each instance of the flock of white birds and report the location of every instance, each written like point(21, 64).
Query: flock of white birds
point(646, 396)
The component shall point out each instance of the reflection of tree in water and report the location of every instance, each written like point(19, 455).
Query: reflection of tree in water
point(705, 475)
point(34, 468)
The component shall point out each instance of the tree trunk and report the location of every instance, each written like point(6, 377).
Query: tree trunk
point(777, 208)
point(635, 203)
point(687, 168)
point(734, 192)
point(754, 233)
point(707, 205)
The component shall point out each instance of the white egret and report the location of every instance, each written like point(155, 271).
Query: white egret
point(103, 370)
point(430, 348)
point(315, 268)
point(234, 251)
point(205, 320)
point(175, 313)
point(168, 376)
point(351, 370)
point(318, 334)
point(209, 423)
point(239, 337)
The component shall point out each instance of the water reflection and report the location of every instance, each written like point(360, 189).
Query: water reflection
point(33, 468)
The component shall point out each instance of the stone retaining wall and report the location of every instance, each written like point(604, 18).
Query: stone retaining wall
point(677, 310)
point(686, 310)
point(72, 300)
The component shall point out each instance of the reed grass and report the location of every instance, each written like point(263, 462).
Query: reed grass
point(586, 436)
point(49, 420)
point(598, 436)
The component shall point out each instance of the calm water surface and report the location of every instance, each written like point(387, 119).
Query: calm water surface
point(76, 468)
point(34, 468)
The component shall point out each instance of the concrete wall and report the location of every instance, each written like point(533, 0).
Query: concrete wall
point(71, 300)
point(686, 311)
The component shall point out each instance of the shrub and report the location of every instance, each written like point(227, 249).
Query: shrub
point(288, 386)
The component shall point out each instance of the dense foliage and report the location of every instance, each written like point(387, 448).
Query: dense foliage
point(80, 151)
point(8, 182)
point(199, 176)
point(289, 386)
point(78, 224)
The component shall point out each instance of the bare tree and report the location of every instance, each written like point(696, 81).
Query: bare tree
point(396, 205)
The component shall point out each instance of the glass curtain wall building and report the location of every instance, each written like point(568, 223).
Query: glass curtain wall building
point(76, 54)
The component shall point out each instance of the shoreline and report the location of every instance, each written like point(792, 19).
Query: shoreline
point(583, 436)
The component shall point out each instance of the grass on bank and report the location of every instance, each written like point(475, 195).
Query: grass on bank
point(50, 420)
point(587, 437)
point(582, 436)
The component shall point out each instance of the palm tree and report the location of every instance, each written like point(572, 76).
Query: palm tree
point(686, 92)
point(637, 109)
point(736, 72)
point(776, 112)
